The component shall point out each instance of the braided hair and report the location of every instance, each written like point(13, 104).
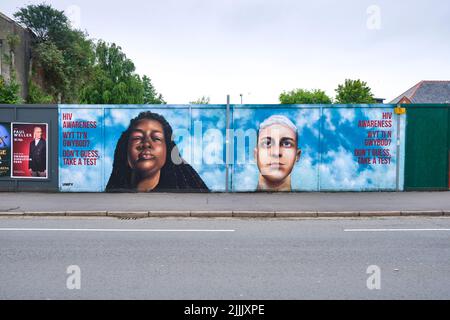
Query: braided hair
point(174, 177)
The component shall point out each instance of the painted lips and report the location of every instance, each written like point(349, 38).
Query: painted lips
point(276, 165)
point(146, 156)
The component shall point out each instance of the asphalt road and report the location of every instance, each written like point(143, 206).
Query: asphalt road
point(386, 201)
point(224, 258)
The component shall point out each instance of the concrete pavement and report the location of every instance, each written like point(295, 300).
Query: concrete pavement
point(225, 258)
point(226, 205)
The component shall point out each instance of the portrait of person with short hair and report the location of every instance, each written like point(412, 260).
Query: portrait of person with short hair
point(276, 153)
point(146, 159)
point(38, 154)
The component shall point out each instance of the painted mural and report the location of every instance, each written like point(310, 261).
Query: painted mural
point(267, 148)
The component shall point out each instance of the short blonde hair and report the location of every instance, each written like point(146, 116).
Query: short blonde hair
point(278, 119)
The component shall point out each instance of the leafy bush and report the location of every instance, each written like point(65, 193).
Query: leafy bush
point(9, 92)
point(37, 96)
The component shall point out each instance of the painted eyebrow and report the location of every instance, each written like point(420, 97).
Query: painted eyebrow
point(137, 130)
point(282, 139)
point(143, 132)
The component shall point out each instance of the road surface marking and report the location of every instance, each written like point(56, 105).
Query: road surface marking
point(114, 230)
point(393, 230)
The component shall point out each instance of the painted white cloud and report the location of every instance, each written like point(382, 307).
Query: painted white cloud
point(375, 113)
point(214, 178)
point(82, 178)
point(178, 119)
point(346, 115)
point(305, 173)
point(120, 117)
point(245, 179)
point(341, 173)
point(213, 144)
point(243, 114)
point(245, 117)
point(208, 114)
point(307, 118)
point(328, 121)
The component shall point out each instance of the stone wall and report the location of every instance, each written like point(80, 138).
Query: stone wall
point(20, 56)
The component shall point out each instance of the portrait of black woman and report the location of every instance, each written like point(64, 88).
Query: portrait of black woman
point(146, 159)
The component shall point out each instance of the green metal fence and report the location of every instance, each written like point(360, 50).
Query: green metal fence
point(427, 147)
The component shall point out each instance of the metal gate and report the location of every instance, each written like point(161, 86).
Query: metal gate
point(427, 147)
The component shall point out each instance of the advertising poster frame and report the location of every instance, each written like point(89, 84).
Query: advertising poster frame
point(27, 142)
point(7, 154)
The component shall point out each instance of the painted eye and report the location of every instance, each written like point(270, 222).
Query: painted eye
point(137, 138)
point(157, 138)
point(266, 143)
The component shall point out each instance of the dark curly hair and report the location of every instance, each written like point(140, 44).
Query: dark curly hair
point(174, 177)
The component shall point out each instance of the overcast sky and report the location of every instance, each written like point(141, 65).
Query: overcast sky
point(260, 48)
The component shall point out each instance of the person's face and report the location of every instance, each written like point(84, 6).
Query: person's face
point(277, 152)
point(37, 133)
point(147, 147)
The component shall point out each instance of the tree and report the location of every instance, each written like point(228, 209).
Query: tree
point(61, 55)
point(51, 60)
point(45, 21)
point(202, 100)
point(36, 95)
point(354, 91)
point(114, 80)
point(150, 94)
point(65, 65)
point(302, 96)
point(74, 69)
point(78, 56)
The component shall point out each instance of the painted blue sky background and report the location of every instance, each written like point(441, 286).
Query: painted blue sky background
point(337, 138)
point(305, 173)
point(204, 151)
point(82, 178)
point(200, 135)
point(117, 120)
point(208, 156)
point(340, 137)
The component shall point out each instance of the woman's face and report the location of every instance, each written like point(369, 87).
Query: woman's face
point(147, 147)
point(277, 152)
